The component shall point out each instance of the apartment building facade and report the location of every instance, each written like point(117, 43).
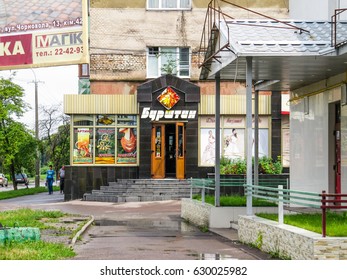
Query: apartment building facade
point(146, 114)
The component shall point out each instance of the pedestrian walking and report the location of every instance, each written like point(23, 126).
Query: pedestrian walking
point(50, 179)
point(61, 176)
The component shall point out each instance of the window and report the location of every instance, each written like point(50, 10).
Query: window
point(83, 70)
point(167, 60)
point(169, 4)
point(105, 139)
point(232, 137)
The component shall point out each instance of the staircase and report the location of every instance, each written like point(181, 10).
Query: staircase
point(133, 190)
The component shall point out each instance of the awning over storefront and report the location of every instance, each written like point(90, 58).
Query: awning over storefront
point(268, 54)
point(285, 55)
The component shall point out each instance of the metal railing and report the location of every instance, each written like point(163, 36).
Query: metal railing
point(212, 44)
point(320, 201)
point(331, 201)
point(203, 184)
point(237, 182)
point(277, 191)
point(232, 185)
point(334, 29)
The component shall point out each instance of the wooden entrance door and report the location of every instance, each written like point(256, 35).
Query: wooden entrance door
point(180, 151)
point(158, 151)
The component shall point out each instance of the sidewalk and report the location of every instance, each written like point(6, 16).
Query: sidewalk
point(228, 233)
point(22, 186)
point(140, 230)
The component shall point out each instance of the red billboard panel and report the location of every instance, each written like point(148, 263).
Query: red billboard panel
point(44, 33)
point(16, 50)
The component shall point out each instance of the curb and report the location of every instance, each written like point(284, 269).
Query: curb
point(81, 231)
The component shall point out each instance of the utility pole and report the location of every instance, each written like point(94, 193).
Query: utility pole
point(37, 161)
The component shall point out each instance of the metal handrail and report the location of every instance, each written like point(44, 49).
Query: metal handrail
point(334, 17)
point(212, 25)
point(316, 200)
point(338, 204)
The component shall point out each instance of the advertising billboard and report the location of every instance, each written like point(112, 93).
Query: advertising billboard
point(43, 33)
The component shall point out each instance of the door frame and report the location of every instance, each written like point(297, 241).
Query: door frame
point(158, 150)
point(180, 150)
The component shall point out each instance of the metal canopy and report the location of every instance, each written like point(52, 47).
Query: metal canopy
point(285, 73)
point(268, 54)
point(289, 58)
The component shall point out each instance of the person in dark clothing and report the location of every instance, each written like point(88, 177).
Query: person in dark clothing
point(62, 178)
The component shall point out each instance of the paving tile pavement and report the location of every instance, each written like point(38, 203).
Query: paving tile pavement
point(14, 12)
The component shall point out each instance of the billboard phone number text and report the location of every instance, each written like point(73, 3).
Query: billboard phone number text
point(60, 51)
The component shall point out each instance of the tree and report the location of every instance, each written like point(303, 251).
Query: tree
point(55, 131)
point(17, 144)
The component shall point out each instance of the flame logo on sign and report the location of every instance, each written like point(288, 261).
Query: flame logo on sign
point(168, 98)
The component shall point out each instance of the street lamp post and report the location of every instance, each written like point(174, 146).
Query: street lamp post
point(37, 161)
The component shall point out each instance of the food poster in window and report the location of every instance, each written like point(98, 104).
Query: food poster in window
point(82, 153)
point(105, 146)
point(105, 120)
point(127, 145)
point(233, 143)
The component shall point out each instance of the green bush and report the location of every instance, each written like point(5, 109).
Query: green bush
point(269, 166)
point(239, 166)
point(233, 166)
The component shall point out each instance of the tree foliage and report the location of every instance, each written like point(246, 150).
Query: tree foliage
point(17, 143)
point(55, 131)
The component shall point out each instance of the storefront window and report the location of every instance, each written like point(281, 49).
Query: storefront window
point(105, 146)
point(233, 143)
point(208, 152)
point(127, 149)
point(130, 120)
point(104, 139)
point(285, 141)
point(83, 120)
point(83, 146)
point(105, 120)
point(263, 145)
point(233, 135)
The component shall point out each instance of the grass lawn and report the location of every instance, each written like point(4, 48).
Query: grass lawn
point(31, 250)
point(336, 223)
point(34, 250)
point(235, 200)
point(22, 192)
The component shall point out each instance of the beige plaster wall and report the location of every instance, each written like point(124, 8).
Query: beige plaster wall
point(121, 33)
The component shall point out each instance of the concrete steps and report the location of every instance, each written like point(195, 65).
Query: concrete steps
point(133, 190)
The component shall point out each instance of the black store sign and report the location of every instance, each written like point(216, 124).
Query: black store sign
point(155, 107)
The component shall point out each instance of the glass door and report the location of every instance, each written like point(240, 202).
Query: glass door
point(158, 151)
point(180, 151)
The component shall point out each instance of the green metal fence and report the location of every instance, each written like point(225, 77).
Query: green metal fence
point(207, 185)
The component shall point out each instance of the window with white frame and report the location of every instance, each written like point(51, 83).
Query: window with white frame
point(168, 60)
point(168, 4)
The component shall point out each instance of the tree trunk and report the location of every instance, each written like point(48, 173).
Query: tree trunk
point(12, 170)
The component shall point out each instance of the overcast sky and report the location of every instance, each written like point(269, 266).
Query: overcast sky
point(53, 83)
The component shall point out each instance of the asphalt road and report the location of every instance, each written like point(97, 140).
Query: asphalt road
point(140, 231)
